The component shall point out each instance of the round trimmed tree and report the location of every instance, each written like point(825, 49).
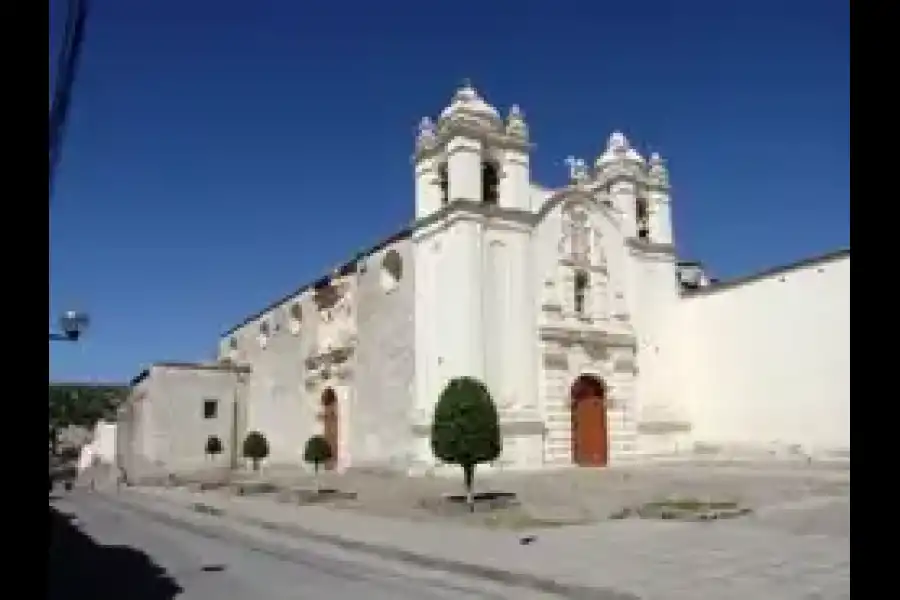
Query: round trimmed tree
point(256, 448)
point(213, 446)
point(466, 429)
point(316, 453)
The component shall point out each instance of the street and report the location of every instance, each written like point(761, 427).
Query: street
point(100, 549)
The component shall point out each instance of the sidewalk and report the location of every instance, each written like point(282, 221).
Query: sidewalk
point(616, 559)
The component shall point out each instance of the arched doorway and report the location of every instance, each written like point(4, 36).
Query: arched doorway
point(330, 424)
point(589, 435)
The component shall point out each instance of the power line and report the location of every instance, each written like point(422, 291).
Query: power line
point(66, 73)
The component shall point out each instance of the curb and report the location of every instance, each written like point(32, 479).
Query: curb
point(523, 580)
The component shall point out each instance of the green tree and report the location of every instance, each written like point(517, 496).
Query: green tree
point(81, 405)
point(317, 453)
point(256, 448)
point(466, 429)
point(213, 446)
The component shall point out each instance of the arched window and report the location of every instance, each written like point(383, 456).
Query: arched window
point(642, 212)
point(580, 291)
point(296, 312)
point(444, 184)
point(490, 183)
point(295, 317)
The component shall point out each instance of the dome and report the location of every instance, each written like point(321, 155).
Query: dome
point(617, 148)
point(467, 101)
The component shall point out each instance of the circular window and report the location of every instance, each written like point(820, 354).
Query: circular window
point(391, 270)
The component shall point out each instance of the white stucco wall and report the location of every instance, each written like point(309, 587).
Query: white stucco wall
point(278, 403)
point(379, 431)
point(102, 447)
point(765, 365)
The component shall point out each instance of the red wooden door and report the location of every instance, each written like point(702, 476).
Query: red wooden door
point(589, 439)
point(330, 424)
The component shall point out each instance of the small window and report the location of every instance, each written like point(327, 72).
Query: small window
point(581, 286)
point(210, 408)
point(391, 270)
point(490, 183)
point(233, 343)
point(444, 184)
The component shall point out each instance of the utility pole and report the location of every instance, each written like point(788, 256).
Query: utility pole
point(67, 62)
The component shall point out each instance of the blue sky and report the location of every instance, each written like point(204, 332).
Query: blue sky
point(221, 153)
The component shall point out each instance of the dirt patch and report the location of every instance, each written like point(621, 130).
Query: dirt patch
point(255, 488)
point(553, 498)
point(303, 497)
point(684, 509)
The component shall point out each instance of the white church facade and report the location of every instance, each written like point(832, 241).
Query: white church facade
point(598, 345)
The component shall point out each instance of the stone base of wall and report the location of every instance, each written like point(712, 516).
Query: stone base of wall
point(698, 451)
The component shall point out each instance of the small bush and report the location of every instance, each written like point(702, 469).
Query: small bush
point(256, 448)
point(317, 452)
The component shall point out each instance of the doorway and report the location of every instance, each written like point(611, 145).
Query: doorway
point(330, 424)
point(590, 443)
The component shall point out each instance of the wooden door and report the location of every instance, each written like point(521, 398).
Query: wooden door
point(330, 425)
point(589, 440)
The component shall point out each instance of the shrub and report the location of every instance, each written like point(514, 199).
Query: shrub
point(466, 428)
point(213, 446)
point(256, 448)
point(317, 452)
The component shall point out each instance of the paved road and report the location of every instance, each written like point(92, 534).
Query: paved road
point(101, 550)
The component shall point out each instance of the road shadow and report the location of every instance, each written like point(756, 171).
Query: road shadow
point(79, 567)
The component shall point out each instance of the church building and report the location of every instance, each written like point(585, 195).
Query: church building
point(599, 346)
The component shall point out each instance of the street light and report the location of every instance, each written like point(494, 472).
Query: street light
point(72, 325)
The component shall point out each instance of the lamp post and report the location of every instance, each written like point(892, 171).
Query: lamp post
point(72, 325)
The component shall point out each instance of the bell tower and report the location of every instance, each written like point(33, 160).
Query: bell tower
point(473, 156)
point(659, 221)
point(473, 298)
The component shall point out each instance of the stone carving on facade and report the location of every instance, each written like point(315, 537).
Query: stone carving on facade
point(550, 300)
point(579, 236)
point(619, 307)
point(515, 123)
point(336, 334)
point(617, 144)
point(619, 160)
point(578, 171)
point(467, 106)
point(657, 174)
point(598, 256)
point(580, 242)
point(427, 135)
